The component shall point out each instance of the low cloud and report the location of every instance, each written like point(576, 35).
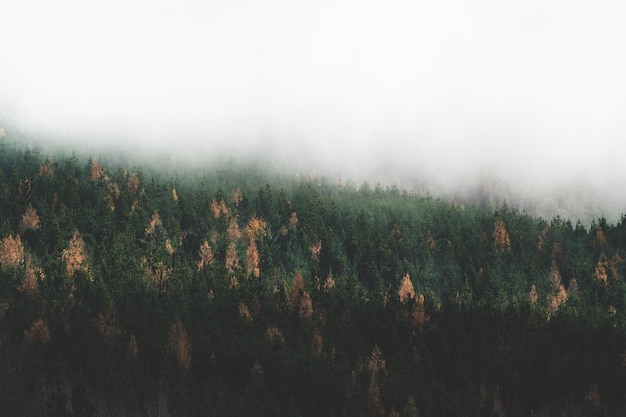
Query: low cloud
point(443, 93)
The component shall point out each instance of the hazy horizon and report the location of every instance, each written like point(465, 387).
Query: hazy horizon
point(530, 93)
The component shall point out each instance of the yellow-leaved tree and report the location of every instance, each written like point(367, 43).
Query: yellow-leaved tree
point(75, 255)
point(501, 236)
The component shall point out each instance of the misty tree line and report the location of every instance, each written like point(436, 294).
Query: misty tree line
point(235, 292)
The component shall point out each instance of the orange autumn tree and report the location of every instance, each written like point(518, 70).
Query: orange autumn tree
point(205, 253)
point(606, 268)
point(75, 255)
point(30, 220)
point(11, 252)
point(501, 236)
point(155, 222)
point(406, 291)
point(219, 209)
point(416, 314)
point(13, 255)
point(600, 272)
point(255, 229)
point(96, 171)
point(329, 283)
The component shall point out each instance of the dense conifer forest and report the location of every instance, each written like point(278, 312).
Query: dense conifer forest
point(127, 291)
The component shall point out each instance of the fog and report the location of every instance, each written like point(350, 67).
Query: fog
point(527, 96)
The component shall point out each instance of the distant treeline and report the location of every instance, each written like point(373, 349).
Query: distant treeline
point(231, 291)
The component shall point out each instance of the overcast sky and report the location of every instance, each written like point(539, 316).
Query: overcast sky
point(535, 88)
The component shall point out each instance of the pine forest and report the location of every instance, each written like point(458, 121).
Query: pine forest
point(232, 290)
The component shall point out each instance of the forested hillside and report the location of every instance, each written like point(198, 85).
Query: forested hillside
point(125, 291)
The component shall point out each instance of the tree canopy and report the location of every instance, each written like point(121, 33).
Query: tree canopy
point(233, 291)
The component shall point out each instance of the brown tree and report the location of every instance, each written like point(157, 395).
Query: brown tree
point(205, 253)
point(406, 291)
point(30, 220)
point(11, 252)
point(75, 255)
point(501, 236)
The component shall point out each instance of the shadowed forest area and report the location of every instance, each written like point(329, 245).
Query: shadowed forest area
point(125, 291)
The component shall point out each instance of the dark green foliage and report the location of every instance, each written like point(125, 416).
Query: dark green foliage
point(112, 308)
